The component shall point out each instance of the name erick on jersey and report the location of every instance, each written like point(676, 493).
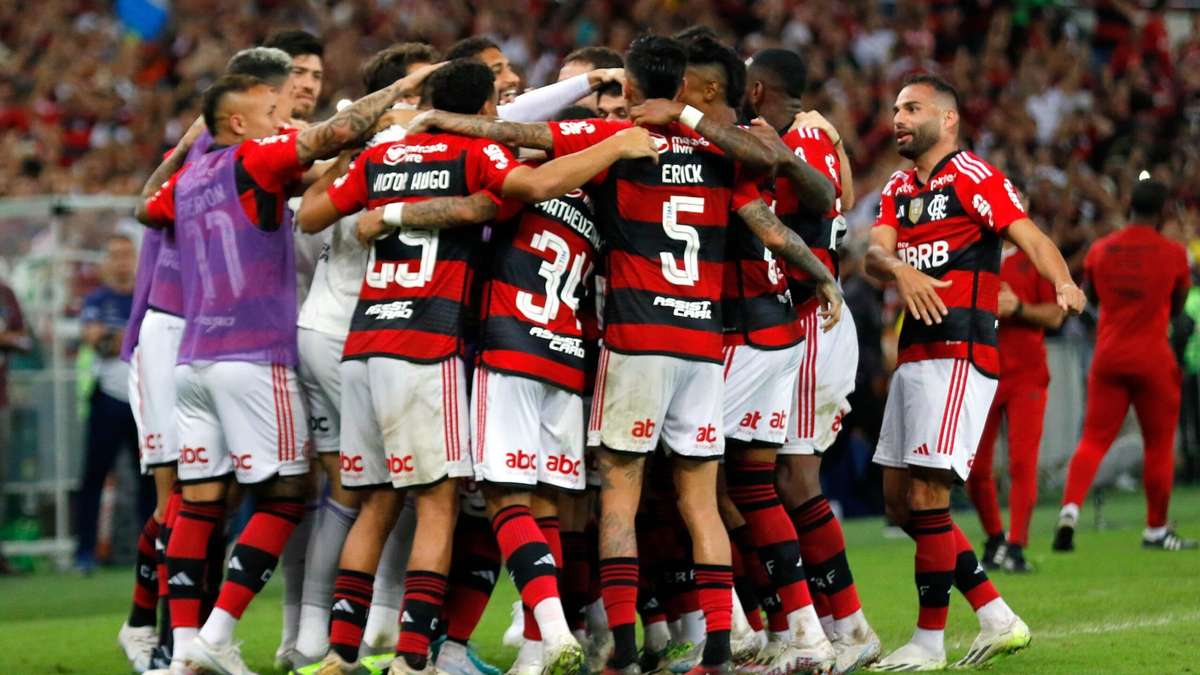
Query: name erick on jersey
point(414, 298)
point(949, 228)
point(542, 261)
point(822, 232)
point(664, 228)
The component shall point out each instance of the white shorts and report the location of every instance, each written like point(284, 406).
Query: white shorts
point(364, 464)
point(644, 397)
point(934, 415)
point(422, 412)
point(152, 389)
point(827, 371)
point(591, 461)
point(759, 384)
point(241, 418)
point(321, 381)
point(526, 432)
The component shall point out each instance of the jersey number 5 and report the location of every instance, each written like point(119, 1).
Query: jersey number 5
point(690, 273)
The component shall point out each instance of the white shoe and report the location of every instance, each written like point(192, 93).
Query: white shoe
point(529, 659)
point(688, 658)
point(220, 659)
point(288, 658)
point(600, 648)
point(332, 664)
point(910, 657)
point(856, 651)
point(453, 659)
point(744, 648)
point(992, 644)
point(514, 635)
point(564, 657)
point(795, 657)
point(137, 643)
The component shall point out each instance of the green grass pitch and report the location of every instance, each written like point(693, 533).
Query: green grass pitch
point(1110, 607)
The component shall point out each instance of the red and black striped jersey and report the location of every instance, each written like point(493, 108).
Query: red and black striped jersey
point(822, 232)
point(756, 306)
point(949, 228)
point(664, 228)
point(415, 295)
point(541, 263)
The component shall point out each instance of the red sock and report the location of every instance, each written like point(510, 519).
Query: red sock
point(170, 517)
point(352, 592)
point(187, 558)
point(969, 577)
point(714, 584)
point(744, 586)
point(821, 604)
point(473, 572)
point(256, 552)
point(145, 587)
point(823, 547)
point(933, 531)
point(752, 489)
point(526, 554)
point(618, 587)
point(424, 591)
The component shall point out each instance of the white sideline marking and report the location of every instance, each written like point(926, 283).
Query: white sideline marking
point(1116, 626)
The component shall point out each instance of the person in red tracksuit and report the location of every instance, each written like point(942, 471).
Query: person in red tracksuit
point(1027, 308)
point(1140, 278)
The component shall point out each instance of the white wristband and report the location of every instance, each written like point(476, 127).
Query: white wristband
point(393, 214)
point(690, 117)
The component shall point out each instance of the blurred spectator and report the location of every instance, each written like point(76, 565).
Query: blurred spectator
point(110, 425)
point(13, 338)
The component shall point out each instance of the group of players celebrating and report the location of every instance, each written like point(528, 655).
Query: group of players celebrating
point(655, 248)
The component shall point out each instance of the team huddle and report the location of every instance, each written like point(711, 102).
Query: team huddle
point(593, 333)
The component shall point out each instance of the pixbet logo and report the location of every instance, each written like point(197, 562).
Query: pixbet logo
point(352, 463)
point(400, 464)
point(520, 460)
point(562, 464)
point(193, 455)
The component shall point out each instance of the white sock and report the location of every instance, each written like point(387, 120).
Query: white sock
point(693, 626)
point(851, 625)
point(657, 636)
point(293, 562)
point(313, 640)
point(740, 625)
point(597, 619)
point(181, 637)
point(551, 621)
point(934, 641)
point(219, 627)
point(804, 624)
point(828, 625)
point(530, 652)
point(1069, 512)
point(1154, 532)
point(291, 626)
point(995, 614)
point(451, 650)
point(779, 636)
point(675, 628)
point(383, 626)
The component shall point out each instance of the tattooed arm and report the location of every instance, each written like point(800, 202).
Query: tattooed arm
point(441, 213)
point(737, 143)
point(786, 244)
point(325, 139)
point(534, 135)
point(316, 210)
point(813, 189)
point(167, 168)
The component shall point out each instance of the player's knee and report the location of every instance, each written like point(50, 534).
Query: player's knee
point(287, 487)
point(930, 489)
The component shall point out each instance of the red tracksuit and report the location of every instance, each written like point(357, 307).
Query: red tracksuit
point(1021, 398)
point(1135, 273)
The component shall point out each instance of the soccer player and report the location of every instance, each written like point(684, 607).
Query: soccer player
point(660, 371)
point(1026, 307)
point(237, 393)
point(587, 59)
point(938, 237)
point(304, 81)
point(762, 356)
point(408, 323)
point(1140, 279)
point(775, 83)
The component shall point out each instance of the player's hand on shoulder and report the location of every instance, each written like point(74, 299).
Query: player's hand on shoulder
point(410, 83)
point(424, 121)
point(760, 129)
point(193, 132)
point(636, 143)
point(370, 226)
point(655, 111)
point(815, 120)
point(832, 304)
point(1071, 298)
point(919, 293)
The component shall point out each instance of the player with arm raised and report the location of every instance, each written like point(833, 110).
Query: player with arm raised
point(938, 237)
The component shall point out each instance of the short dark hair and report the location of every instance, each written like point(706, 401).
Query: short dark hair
point(938, 83)
point(469, 48)
point(296, 43)
point(705, 51)
point(216, 92)
point(388, 65)
point(599, 57)
point(575, 112)
point(657, 64)
point(610, 89)
point(1148, 199)
point(786, 70)
point(269, 64)
point(461, 86)
point(696, 31)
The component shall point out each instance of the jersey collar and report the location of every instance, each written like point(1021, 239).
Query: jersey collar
point(937, 168)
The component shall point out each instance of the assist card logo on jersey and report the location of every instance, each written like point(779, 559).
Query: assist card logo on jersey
point(915, 207)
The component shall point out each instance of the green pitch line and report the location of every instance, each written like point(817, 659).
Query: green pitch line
point(1109, 607)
